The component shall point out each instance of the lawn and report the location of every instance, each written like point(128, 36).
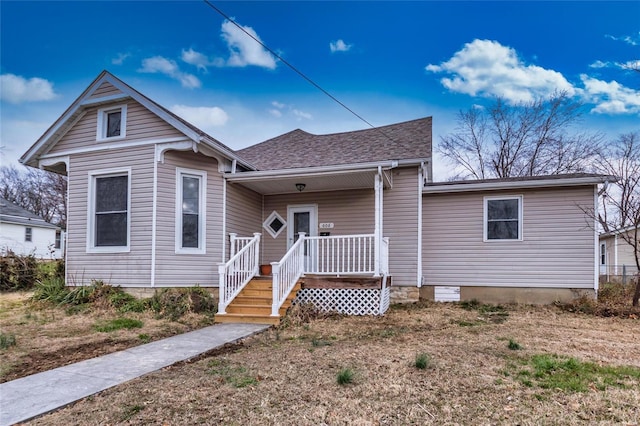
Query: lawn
point(419, 364)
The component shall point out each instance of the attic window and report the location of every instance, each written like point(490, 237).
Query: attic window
point(112, 123)
point(274, 224)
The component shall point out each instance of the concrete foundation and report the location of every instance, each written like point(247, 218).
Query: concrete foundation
point(404, 294)
point(529, 296)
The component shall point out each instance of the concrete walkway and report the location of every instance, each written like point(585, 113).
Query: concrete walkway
point(34, 395)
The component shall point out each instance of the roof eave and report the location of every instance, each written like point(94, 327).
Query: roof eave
point(516, 184)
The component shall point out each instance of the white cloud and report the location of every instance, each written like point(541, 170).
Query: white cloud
point(200, 60)
point(339, 46)
point(632, 40)
point(278, 104)
point(16, 89)
point(204, 118)
point(610, 97)
point(600, 64)
point(487, 68)
point(119, 60)
point(275, 112)
point(301, 114)
point(245, 50)
point(158, 64)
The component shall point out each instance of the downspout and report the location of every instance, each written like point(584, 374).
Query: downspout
point(224, 219)
point(596, 242)
point(378, 222)
point(615, 253)
point(419, 242)
point(154, 217)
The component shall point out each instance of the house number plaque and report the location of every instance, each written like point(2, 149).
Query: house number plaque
point(328, 225)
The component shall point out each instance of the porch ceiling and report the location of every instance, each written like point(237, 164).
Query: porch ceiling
point(314, 182)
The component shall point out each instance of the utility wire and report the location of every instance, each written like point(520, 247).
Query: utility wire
point(300, 73)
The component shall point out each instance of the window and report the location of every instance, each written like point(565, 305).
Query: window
point(274, 224)
point(603, 254)
point(58, 242)
point(109, 213)
point(502, 218)
point(28, 234)
point(112, 122)
point(190, 211)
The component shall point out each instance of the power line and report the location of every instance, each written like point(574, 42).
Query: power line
point(300, 73)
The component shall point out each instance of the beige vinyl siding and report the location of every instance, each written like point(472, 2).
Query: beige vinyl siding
point(351, 212)
point(141, 124)
point(244, 213)
point(400, 206)
point(173, 269)
point(557, 250)
point(105, 89)
point(125, 269)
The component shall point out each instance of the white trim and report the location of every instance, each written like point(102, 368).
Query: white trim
point(510, 184)
point(615, 252)
point(180, 145)
point(103, 113)
point(596, 240)
point(377, 222)
point(485, 218)
point(309, 171)
point(419, 242)
point(111, 146)
point(313, 220)
point(224, 221)
point(104, 99)
point(90, 243)
point(53, 160)
point(202, 209)
point(154, 226)
point(266, 224)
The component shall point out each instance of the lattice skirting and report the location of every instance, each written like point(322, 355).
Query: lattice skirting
point(348, 301)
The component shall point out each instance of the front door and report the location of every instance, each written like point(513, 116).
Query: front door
point(302, 219)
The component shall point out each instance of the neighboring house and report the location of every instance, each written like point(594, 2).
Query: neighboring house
point(25, 233)
point(616, 256)
point(156, 202)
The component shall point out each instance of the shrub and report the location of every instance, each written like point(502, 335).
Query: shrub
point(513, 345)
point(51, 290)
point(173, 303)
point(18, 272)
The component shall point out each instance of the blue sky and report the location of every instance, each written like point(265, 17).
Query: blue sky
point(388, 61)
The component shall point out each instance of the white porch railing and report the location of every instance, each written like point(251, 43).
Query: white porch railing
point(341, 255)
point(238, 271)
point(286, 273)
point(237, 243)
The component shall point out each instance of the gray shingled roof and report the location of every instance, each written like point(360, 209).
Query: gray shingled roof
point(11, 213)
point(401, 141)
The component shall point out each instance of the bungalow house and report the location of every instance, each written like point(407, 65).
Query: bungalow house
point(25, 233)
point(347, 221)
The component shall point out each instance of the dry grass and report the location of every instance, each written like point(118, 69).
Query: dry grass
point(49, 337)
point(287, 376)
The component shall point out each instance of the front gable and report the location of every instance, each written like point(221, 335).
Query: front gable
point(82, 128)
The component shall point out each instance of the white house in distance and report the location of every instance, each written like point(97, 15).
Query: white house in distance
point(25, 233)
point(616, 256)
point(346, 221)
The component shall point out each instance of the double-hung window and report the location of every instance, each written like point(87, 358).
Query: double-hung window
point(112, 123)
point(190, 210)
point(503, 218)
point(28, 234)
point(109, 211)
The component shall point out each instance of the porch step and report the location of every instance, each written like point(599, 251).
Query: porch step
point(253, 304)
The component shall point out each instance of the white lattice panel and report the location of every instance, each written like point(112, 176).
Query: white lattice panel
point(346, 301)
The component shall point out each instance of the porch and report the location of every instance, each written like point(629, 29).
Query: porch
point(347, 274)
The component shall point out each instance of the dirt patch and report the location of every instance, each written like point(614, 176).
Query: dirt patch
point(287, 376)
point(51, 337)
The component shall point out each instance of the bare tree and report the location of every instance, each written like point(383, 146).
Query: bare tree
point(620, 209)
point(527, 139)
point(40, 192)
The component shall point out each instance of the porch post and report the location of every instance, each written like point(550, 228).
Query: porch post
point(256, 260)
point(378, 222)
point(232, 244)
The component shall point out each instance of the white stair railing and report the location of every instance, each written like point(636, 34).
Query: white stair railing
point(237, 243)
point(238, 271)
point(286, 273)
point(341, 255)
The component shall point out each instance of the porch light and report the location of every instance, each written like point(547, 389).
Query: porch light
point(300, 186)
